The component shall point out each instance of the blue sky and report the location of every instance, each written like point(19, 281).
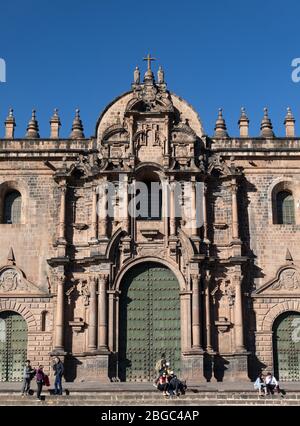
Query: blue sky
point(70, 54)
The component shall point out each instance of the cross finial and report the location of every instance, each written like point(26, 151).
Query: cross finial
point(149, 59)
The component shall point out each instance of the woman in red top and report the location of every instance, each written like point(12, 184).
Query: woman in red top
point(163, 383)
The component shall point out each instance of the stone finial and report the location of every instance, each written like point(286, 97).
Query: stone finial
point(160, 75)
point(10, 125)
point(11, 257)
point(289, 123)
point(149, 77)
point(243, 124)
point(266, 128)
point(288, 256)
point(33, 127)
point(55, 124)
point(220, 127)
point(77, 127)
point(136, 75)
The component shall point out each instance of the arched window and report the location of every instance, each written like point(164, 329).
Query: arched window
point(285, 208)
point(12, 207)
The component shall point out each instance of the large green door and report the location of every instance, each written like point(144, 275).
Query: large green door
point(13, 346)
point(149, 322)
point(286, 347)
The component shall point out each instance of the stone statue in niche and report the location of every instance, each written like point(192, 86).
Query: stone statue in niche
point(84, 291)
point(157, 137)
point(69, 293)
point(230, 293)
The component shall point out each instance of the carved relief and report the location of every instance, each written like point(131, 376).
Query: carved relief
point(289, 280)
point(12, 280)
point(84, 291)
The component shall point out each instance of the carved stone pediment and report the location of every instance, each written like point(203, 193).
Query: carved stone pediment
point(116, 134)
point(183, 134)
point(13, 281)
point(287, 282)
point(87, 165)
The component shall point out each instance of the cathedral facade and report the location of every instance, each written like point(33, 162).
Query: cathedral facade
point(207, 274)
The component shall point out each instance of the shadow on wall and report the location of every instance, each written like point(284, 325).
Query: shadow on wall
point(215, 367)
point(71, 366)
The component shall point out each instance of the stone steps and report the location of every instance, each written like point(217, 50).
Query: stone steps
point(149, 398)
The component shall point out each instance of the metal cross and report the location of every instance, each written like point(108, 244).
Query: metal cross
point(149, 59)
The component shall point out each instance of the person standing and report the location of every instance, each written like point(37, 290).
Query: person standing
point(28, 374)
point(58, 368)
point(40, 380)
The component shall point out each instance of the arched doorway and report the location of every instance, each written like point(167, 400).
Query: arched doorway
point(286, 346)
point(149, 322)
point(13, 346)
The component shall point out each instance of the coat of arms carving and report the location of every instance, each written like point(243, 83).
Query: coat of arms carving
point(289, 280)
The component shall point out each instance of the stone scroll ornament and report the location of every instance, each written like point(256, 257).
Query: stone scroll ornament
point(289, 280)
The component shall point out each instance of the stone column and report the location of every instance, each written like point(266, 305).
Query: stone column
point(235, 226)
point(102, 308)
point(62, 214)
point(59, 320)
point(94, 216)
point(133, 212)
point(165, 208)
point(131, 135)
point(238, 314)
point(103, 210)
point(185, 311)
point(92, 334)
point(193, 207)
point(196, 312)
point(172, 209)
point(124, 194)
point(166, 135)
point(207, 313)
point(111, 319)
point(205, 213)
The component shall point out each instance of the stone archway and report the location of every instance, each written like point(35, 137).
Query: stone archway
point(149, 321)
point(286, 346)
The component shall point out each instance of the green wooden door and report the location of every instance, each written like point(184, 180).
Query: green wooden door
point(149, 322)
point(286, 346)
point(13, 346)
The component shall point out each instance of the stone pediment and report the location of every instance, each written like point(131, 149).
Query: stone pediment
point(183, 133)
point(116, 134)
point(14, 282)
point(286, 282)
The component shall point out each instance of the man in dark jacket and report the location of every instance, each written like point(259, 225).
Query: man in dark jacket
point(28, 374)
point(58, 368)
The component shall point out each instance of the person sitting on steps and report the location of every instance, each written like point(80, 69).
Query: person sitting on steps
point(271, 384)
point(176, 386)
point(260, 385)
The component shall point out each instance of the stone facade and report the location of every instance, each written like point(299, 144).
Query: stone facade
point(62, 265)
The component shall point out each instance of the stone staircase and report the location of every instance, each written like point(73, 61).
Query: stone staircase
point(150, 398)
